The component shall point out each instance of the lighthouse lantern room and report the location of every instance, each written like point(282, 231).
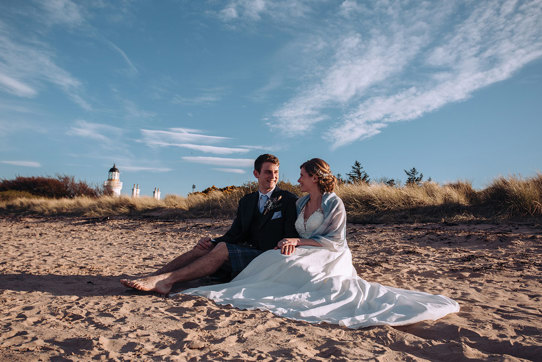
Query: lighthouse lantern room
point(113, 183)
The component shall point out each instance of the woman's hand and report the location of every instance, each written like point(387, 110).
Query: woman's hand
point(287, 245)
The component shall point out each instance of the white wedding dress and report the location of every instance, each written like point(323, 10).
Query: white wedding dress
point(315, 284)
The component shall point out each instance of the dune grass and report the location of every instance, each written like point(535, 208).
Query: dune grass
point(504, 199)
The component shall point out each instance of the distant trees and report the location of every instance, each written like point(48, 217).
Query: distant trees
point(59, 187)
point(414, 177)
point(357, 174)
point(388, 181)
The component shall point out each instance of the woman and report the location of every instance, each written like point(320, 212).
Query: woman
point(312, 278)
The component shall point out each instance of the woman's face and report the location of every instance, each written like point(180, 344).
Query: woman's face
point(307, 182)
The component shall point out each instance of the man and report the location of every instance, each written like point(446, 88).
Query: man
point(263, 218)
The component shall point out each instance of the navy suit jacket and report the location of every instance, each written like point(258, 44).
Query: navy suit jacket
point(271, 227)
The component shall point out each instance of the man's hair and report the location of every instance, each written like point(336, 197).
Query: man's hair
point(266, 157)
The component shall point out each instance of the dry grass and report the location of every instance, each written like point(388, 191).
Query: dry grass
point(516, 195)
point(505, 198)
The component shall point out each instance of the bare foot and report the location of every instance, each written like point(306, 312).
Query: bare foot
point(158, 284)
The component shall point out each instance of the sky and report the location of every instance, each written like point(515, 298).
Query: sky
point(182, 93)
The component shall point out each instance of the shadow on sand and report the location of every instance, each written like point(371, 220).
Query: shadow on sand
point(81, 285)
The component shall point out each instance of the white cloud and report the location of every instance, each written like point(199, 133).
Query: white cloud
point(212, 149)
point(254, 10)
point(16, 87)
point(185, 138)
point(26, 65)
point(398, 60)
point(230, 170)
point(132, 110)
point(99, 132)
point(64, 12)
point(144, 168)
point(488, 47)
point(177, 136)
point(220, 161)
point(247, 8)
point(350, 8)
point(22, 163)
point(131, 67)
point(206, 96)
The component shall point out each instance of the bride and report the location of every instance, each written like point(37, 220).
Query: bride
point(312, 278)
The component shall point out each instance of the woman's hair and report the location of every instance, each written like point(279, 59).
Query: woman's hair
point(319, 168)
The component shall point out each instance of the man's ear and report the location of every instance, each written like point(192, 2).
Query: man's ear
point(256, 174)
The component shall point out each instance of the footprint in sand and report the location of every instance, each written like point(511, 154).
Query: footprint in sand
point(118, 345)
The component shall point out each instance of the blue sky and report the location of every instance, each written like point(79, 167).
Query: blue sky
point(190, 92)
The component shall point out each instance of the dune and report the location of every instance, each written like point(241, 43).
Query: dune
point(60, 296)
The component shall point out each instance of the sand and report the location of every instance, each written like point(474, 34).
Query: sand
point(60, 296)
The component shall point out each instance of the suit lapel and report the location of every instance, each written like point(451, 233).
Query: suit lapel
point(265, 218)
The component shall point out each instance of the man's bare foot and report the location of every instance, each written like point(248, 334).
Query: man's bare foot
point(158, 284)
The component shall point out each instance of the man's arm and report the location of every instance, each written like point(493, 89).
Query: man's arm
point(235, 233)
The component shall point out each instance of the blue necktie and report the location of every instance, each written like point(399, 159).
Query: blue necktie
point(263, 200)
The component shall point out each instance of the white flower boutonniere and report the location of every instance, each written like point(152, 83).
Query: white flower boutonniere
point(272, 204)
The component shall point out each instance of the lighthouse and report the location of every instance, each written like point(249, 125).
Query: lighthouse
point(113, 183)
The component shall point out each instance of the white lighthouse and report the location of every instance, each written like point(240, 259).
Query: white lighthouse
point(113, 183)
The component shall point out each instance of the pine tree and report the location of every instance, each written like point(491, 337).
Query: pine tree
point(357, 174)
point(414, 177)
point(340, 180)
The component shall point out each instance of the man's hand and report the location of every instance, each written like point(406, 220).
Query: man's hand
point(287, 245)
point(204, 243)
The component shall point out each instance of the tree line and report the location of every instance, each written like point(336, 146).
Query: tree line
point(358, 175)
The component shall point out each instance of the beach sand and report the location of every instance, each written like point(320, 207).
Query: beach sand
point(60, 296)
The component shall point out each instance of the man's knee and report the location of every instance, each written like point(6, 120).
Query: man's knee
point(221, 250)
point(199, 252)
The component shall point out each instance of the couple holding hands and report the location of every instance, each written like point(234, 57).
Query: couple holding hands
point(289, 256)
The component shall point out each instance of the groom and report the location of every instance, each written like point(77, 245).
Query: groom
point(263, 219)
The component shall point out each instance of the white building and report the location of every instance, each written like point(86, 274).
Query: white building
point(156, 193)
point(135, 191)
point(113, 183)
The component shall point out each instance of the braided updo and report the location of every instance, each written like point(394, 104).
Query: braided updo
point(319, 168)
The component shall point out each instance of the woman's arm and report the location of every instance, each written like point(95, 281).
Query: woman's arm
point(287, 245)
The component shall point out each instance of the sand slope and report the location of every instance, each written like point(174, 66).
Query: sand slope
point(60, 296)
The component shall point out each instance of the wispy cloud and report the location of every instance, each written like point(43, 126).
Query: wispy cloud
point(205, 96)
point(220, 161)
point(399, 60)
point(487, 47)
point(230, 170)
point(262, 93)
point(16, 87)
point(63, 12)
point(99, 132)
point(133, 110)
point(254, 10)
point(27, 65)
point(192, 139)
point(128, 168)
point(212, 149)
point(176, 136)
point(132, 69)
point(22, 163)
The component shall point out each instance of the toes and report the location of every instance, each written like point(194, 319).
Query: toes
point(128, 283)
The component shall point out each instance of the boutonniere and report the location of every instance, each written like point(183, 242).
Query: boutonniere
point(272, 204)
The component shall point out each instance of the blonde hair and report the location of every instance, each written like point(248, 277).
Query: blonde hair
point(319, 168)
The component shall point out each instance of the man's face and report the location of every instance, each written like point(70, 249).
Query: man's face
point(267, 177)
